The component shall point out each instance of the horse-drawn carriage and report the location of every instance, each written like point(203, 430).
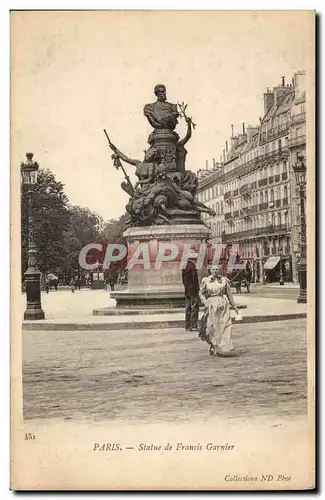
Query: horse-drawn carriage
point(240, 277)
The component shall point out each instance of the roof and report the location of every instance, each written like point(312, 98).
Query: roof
point(235, 152)
point(284, 105)
point(252, 143)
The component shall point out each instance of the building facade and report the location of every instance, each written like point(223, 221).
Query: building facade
point(297, 145)
point(210, 192)
point(261, 202)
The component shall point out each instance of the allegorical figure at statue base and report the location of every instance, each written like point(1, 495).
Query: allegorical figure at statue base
point(165, 190)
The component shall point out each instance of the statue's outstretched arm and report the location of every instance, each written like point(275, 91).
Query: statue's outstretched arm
point(126, 158)
point(188, 135)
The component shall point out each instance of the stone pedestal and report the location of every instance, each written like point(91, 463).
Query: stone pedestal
point(149, 287)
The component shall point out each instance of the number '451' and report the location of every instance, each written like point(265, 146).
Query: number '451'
point(29, 436)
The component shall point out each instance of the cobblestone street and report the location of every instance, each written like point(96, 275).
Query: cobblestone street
point(149, 375)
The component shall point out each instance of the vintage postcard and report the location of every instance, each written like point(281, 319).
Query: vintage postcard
point(162, 236)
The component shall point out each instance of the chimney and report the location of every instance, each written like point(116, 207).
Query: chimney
point(213, 162)
point(233, 142)
point(283, 81)
point(243, 128)
point(299, 83)
point(232, 131)
point(226, 146)
point(268, 100)
point(279, 93)
point(251, 131)
point(224, 155)
point(206, 164)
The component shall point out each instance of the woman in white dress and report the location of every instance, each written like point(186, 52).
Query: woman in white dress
point(216, 322)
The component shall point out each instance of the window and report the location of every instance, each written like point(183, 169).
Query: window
point(286, 218)
point(284, 167)
point(279, 218)
point(218, 228)
point(261, 197)
point(217, 208)
point(221, 207)
point(285, 192)
point(266, 197)
point(272, 196)
point(279, 144)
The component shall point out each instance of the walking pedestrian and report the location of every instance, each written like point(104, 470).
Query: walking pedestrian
point(111, 282)
point(72, 285)
point(191, 287)
point(216, 324)
point(47, 285)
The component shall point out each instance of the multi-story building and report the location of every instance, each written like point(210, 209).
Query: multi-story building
point(210, 192)
point(259, 186)
point(297, 146)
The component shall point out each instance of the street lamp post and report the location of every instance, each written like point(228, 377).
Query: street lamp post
point(34, 309)
point(281, 265)
point(300, 171)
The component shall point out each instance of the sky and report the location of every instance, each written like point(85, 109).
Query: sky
point(75, 73)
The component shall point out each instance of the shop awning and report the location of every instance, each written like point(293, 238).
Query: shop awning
point(271, 262)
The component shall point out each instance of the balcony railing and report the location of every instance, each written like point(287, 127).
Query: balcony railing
point(235, 192)
point(284, 176)
point(244, 189)
point(262, 182)
point(228, 215)
point(301, 117)
point(227, 195)
point(236, 213)
point(277, 178)
point(275, 132)
point(285, 202)
point(271, 179)
point(254, 185)
point(278, 203)
point(252, 233)
point(263, 206)
point(245, 210)
point(254, 163)
point(296, 141)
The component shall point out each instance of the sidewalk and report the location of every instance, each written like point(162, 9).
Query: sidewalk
point(294, 286)
point(75, 312)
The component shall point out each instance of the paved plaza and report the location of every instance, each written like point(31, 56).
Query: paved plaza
point(68, 311)
point(161, 373)
point(164, 374)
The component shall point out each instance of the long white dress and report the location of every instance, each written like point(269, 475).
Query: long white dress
point(214, 293)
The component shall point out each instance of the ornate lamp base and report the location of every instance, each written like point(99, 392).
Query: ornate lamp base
point(302, 297)
point(34, 309)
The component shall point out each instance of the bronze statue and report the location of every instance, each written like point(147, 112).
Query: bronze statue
point(165, 190)
point(161, 114)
